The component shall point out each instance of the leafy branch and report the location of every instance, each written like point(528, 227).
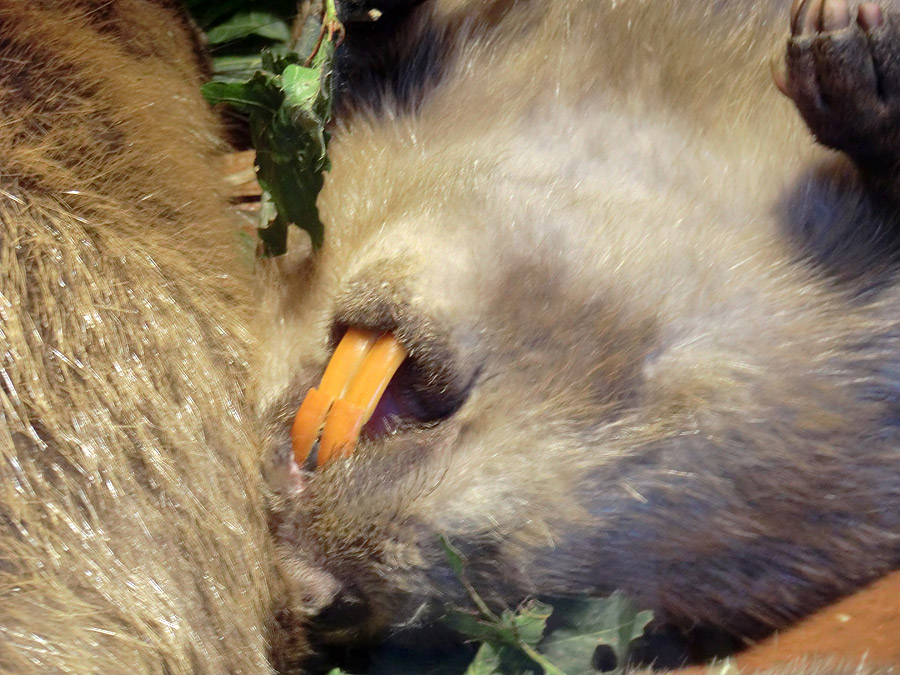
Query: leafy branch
point(582, 625)
point(288, 104)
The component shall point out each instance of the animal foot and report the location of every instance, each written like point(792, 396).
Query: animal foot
point(843, 74)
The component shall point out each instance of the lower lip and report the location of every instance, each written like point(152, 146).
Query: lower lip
point(296, 477)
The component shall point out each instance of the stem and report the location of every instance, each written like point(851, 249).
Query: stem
point(330, 11)
point(482, 606)
point(549, 668)
point(454, 556)
point(330, 25)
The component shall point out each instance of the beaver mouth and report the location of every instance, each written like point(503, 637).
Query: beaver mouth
point(353, 383)
point(372, 388)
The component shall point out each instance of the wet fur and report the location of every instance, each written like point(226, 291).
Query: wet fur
point(131, 528)
point(672, 318)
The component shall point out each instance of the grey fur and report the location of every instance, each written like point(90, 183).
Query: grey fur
point(675, 320)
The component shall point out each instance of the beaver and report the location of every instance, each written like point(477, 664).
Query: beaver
point(651, 327)
point(132, 529)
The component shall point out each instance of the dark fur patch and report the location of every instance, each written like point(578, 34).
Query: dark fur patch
point(393, 60)
point(398, 59)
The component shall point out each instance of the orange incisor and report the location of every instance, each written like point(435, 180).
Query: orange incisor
point(354, 381)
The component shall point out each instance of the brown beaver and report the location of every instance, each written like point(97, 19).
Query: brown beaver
point(132, 533)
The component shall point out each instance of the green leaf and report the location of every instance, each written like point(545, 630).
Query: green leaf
point(235, 68)
point(301, 86)
point(260, 96)
point(288, 103)
point(502, 660)
point(276, 62)
point(290, 166)
point(243, 24)
point(288, 130)
point(477, 628)
point(209, 12)
point(509, 638)
point(530, 621)
point(587, 623)
point(486, 662)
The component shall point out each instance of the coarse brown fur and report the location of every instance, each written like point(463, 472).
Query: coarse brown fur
point(132, 537)
point(653, 327)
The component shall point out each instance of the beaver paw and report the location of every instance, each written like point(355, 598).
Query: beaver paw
point(843, 74)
